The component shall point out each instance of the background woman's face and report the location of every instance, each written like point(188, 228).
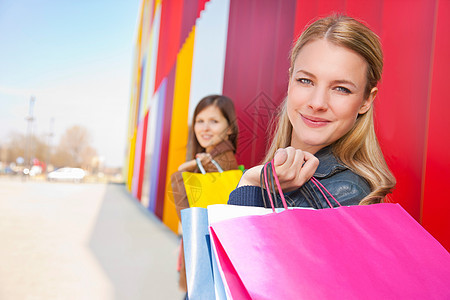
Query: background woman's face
point(211, 127)
point(325, 94)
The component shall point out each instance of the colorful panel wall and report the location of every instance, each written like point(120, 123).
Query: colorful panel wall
point(187, 49)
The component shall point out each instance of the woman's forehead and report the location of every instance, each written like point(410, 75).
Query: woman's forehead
point(324, 59)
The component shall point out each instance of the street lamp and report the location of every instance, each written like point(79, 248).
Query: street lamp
point(29, 119)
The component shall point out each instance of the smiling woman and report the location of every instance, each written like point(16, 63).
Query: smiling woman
point(325, 127)
point(212, 141)
point(326, 94)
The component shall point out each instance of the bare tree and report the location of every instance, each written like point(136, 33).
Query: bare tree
point(15, 147)
point(74, 148)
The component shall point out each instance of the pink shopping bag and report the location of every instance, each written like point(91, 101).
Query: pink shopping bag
point(359, 252)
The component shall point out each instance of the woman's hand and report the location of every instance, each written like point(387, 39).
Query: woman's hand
point(190, 165)
point(204, 157)
point(294, 167)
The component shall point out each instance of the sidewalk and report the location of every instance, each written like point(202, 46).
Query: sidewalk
point(82, 241)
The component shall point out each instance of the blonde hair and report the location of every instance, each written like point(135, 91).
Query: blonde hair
point(358, 149)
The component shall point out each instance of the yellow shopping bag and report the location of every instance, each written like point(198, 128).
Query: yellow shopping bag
point(203, 189)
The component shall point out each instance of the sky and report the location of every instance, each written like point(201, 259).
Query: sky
point(75, 58)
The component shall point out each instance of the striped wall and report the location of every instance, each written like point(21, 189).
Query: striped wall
point(186, 49)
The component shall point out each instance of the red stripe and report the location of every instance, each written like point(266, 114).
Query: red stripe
point(201, 6)
point(435, 203)
point(169, 38)
point(142, 158)
point(305, 12)
point(327, 7)
point(402, 102)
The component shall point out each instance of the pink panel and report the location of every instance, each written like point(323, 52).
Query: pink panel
point(259, 39)
point(165, 137)
point(190, 10)
point(436, 206)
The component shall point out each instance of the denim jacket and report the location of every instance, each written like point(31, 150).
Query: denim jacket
point(346, 186)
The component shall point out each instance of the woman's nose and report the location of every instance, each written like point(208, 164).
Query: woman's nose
point(206, 126)
point(319, 99)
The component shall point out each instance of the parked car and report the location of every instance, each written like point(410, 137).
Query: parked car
point(67, 174)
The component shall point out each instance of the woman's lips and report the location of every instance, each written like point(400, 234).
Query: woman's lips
point(314, 121)
point(206, 137)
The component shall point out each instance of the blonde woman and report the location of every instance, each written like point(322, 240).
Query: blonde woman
point(325, 127)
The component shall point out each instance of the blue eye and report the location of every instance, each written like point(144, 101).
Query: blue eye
point(343, 90)
point(304, 80)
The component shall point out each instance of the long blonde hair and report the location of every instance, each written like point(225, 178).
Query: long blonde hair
point(358, 149)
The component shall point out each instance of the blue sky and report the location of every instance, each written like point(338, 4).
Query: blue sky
point(76, 58)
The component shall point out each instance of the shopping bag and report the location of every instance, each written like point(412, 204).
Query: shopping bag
point(220, 212)
point(358, 252)
point(197, 253)
point(203, 278)
point(203, 189)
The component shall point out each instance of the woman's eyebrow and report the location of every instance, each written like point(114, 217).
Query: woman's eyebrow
point(338, 81)
point(306, 73)
point(344, 81)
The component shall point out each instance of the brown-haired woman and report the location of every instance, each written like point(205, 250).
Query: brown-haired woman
point(325, 127)
point(213, 135)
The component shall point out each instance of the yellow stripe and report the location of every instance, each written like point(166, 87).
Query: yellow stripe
point(132, 124)
point(131, 160)
point(157, 2)
point(179, 126)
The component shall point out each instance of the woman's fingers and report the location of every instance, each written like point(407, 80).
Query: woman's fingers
point(309, 167)
point(204, 157)
point(251, 177)
point(294, 167)
point(280, 157)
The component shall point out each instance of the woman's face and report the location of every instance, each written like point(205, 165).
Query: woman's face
point(325, 94)
point(211, 127)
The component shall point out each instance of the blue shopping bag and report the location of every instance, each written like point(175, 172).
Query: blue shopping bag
point(202, 277)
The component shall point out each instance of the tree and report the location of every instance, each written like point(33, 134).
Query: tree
point(16, 147)
point(74, 149)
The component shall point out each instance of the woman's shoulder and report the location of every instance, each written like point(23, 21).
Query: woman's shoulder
point(223, 154)
point(328, 164)
point(347, 187)
point(222, 147)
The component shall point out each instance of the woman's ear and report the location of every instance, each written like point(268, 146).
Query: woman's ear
point(368, 102)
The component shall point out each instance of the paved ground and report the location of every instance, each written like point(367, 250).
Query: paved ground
point(82, 241)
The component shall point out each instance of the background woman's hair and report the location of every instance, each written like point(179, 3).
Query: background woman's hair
point(226, 106)
point(359, 148)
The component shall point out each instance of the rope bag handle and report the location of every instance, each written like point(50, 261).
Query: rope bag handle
point(202, 169)
point(269, 171)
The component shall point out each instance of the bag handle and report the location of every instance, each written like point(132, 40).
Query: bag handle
point(270, 166)
point(202, 169)
point(264, 174)
point(317, 183)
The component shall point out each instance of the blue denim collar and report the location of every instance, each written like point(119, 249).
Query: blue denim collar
point(328, 163)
